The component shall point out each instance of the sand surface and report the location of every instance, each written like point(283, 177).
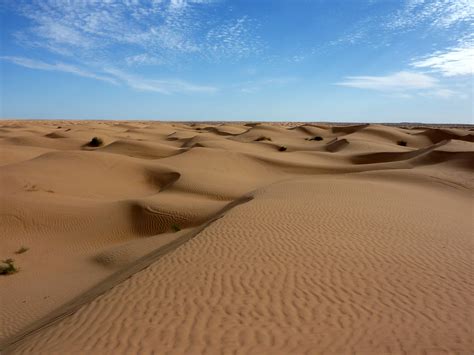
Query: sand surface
point(236, 238)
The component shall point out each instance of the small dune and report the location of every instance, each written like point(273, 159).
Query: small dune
point(348, 129)
point(137, 149)
point(336, 145)
point(55, 135)
point(438, 135)
point(383, 157)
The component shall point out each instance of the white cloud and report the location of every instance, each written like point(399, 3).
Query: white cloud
point(437, 13)
point(232, 39)
point(166, 29)
point(116, 76)
point(453, 18)
point(454, 61)
point(61, 67)
point(142, 59)
point(394, 82)
point(402, 84)
point(121, 33)
point(162, 86)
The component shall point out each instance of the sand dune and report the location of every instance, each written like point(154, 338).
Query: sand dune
point(145, 150)
point(437, 135)
point(336, 145)
point(199, 238)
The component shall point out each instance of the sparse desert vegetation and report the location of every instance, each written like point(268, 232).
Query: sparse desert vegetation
point(263, 138)
point(8, 267)
point(315, 138)
point(95, 142)
point(22, 250)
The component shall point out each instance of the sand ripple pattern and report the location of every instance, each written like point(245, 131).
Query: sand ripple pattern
point(310, 266)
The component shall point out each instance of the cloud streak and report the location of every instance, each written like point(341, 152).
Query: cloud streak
point(116, 77)
point(142, 59)
point(401, 84)
point(60, 67)
point(453, 61)
point(394, 82)
point(169, 86)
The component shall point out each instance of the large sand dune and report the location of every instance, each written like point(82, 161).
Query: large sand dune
point(236, 238)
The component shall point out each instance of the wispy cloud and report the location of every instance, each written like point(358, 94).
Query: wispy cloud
point(458, 60)
point(92, 30)
point(438, 13)
point(142, 59)
point(398, 81)
point(120, 34)
point(233, 38)
point(451, 20)
point(401, 84)
point(116, 77)
point(61, 67)
point(412, 15)
point(360, 31)
point(162, 86)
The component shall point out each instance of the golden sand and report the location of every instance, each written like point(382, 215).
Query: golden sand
point(213, 239)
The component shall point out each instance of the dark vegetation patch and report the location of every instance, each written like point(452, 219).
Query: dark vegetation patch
point(315, 138)
point(95, 142)
point(262, 138)
point(22, 250)
point(7, 267)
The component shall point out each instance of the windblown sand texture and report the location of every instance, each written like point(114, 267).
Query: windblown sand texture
point(209, 239)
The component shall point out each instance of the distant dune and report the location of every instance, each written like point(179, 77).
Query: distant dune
point(257, 238)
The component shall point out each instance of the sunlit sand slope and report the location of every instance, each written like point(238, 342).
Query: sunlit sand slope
point(328, 266)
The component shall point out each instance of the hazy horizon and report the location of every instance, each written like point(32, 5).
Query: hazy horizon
point(372, 61)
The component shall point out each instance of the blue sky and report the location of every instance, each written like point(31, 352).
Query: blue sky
point(303, 60)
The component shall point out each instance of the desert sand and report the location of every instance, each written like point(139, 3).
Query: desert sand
point(196, 238)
